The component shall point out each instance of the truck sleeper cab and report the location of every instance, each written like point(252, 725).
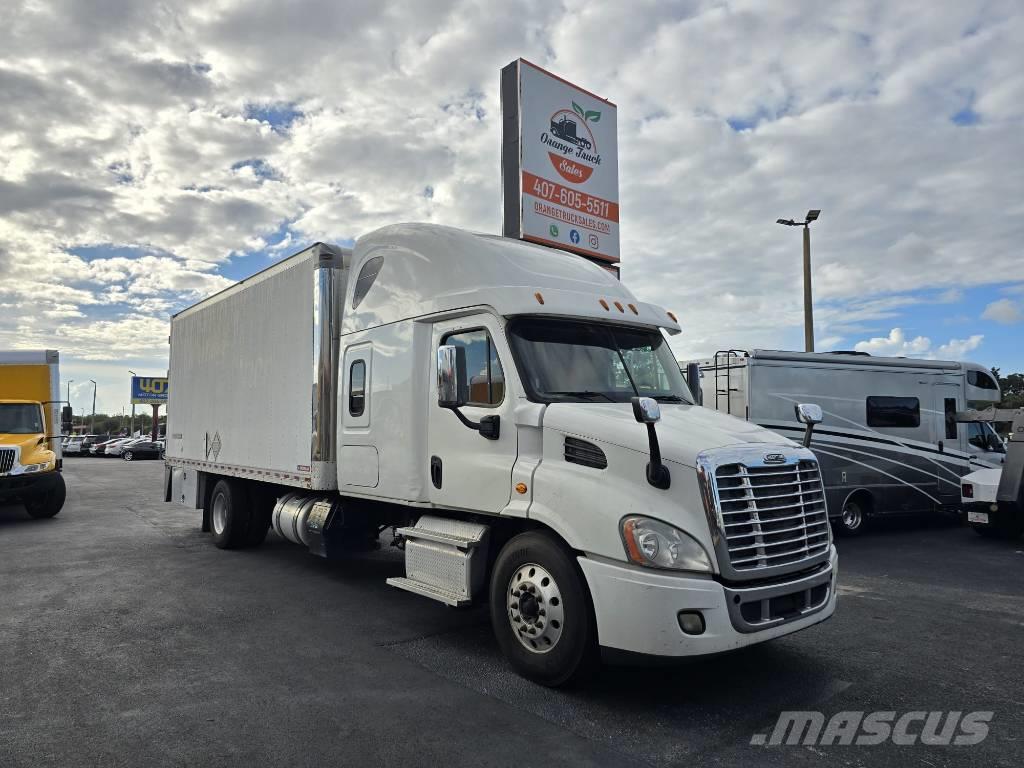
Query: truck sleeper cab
point(482, 396)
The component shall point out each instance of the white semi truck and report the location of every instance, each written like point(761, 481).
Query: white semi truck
point(515, 415)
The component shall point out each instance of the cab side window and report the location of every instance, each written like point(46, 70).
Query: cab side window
point(485, 379)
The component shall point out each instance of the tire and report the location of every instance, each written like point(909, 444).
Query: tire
point(853, 520)
point(229, 514)
point(127, 456)
point(563, 650)
point(49, 503)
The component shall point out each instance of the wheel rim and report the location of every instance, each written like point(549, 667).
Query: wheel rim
point(220, 514)
point(852, 517)
point(128, 456)
point(534, 607)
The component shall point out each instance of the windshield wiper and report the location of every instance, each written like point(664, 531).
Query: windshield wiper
point(583, 393)
point(670, 399)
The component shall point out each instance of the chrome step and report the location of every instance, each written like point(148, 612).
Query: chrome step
point(448, 597)
point(451, 539)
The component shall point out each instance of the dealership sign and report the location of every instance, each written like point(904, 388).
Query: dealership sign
point(560, 175)
point(149, 390)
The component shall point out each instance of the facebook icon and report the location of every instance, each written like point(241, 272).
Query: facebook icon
point(574, 235)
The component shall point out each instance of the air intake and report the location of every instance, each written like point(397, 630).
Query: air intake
point(584, 453)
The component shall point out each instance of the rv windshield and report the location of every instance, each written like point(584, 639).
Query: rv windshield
point(575, 361)
point(20, 419)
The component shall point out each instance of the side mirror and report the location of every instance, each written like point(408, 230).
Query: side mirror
point(451, 376)
point(808, 413)
point(646, 410)
point(65, 419)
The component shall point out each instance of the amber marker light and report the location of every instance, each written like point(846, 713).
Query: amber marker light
point(632, 307)
point(631, 545)
point(604, 304)
point(538, 297)
point(520, 487)
point(674, 318)
point(618, 306)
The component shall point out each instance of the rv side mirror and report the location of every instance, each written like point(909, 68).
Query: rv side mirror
point(808, 413)
point(646, 410)
point(451, 376)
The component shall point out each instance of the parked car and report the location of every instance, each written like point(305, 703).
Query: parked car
point(108, 447)
point(98, 448)
point(117, 449)
point(144, 449)
point(79, 445)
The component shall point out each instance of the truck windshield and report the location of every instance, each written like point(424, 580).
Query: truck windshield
point(575, 361)
point(20, 419)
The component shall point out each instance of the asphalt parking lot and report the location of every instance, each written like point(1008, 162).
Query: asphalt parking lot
point(128, 639)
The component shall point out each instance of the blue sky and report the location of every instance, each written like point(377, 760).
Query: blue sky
point(151, 155)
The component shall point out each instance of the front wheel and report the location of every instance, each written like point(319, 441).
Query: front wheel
point(128, 456)
point(50, 503)
point(541, 612)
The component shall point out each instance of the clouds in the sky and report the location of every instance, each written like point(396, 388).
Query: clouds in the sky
point(1005, 311)
point(148, 148)
point(896, 344)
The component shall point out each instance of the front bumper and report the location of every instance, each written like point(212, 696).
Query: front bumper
point(16, 486)
point(637, 609)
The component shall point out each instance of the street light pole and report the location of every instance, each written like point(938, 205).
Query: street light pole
point(812, 215)
point(70, 382)
point(808, 309)
point(92, 419)
point(131, 432)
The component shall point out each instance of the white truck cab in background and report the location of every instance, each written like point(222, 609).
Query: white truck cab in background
point(517, 415)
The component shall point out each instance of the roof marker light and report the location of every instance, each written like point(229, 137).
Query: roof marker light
point(539, 297)
point(633, 307)
point(604, 304)
point(674, 318)
point(618, 306)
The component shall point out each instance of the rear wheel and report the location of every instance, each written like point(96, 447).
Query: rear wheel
point(229, 514)
point(853, 519)
point(541, 612)
point(50, 503)
point(128, 456)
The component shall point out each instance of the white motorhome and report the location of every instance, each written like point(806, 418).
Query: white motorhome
point(515, 412)
point(889, 441)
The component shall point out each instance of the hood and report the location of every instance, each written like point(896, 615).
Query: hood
point(683, 432)
point(25, 441)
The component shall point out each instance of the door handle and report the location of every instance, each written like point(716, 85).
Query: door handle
point(435, 471)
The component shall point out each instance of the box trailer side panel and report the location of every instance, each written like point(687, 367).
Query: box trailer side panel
point(34, 375)
point(246, 371)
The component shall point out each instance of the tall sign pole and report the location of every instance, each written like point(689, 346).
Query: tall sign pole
point(559, 164)
point(808, 310)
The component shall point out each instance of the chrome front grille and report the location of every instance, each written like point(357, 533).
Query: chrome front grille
point(772, 514)
point(6, 460)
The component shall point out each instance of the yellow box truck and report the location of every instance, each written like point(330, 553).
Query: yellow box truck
point(30, 459)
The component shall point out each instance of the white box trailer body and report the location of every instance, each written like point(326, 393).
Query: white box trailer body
point(483, 390)
point(249, 365)
point(889, 441)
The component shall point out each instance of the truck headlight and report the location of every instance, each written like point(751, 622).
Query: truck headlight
point(655, 544)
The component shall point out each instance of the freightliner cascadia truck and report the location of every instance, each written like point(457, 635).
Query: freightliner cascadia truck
point(30, 459)
point(514, 415)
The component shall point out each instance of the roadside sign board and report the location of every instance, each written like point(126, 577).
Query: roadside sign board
point(149, 390)
point(559, 163)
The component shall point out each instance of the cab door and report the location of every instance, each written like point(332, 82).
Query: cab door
point(949, 437)
point(468, 470)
